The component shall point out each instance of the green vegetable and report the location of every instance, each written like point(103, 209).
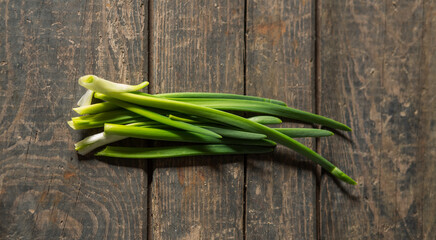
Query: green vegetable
point(156, 117)
point(265, 120)
point(204, 120)
point(181, 119)
point(218, 96)
point(112, 116)
point(221, 130)
point(86, 99)
point(265, 108)
point(236, 121)
point(176, 135)
point(104, 86)
point(120, 116)
point(233, 133)
point(304, 132)
point(181, 151)
point(94, 141)
point(95, 108)
point(251, 106)
point(89, 125)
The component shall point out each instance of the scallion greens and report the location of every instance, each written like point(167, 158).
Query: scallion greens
point(192, 117)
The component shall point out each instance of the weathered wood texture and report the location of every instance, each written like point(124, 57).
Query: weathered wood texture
point(46, 191)
point(197, 46)
point(378, 76)
point(427, 121)
point(377, 65)
point(280, 196)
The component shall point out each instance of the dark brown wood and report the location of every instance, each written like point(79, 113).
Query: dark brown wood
point(427, 121)
point(280, 64)
point(46, 190)
point(197, 46)
point(376, 60)
point(377, 74)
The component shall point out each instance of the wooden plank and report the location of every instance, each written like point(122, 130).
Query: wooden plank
point(197, 46)
point(46, 190)
point(280, 193)
point(351, 59)
point(372, 79)
point(427, 121)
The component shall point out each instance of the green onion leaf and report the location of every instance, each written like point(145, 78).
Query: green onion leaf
point(175, 135)
point(95, 108)
point(181, 151)
point(265, 108)
point(218, 95)
point(210, 109)
point(237, 121)
point(157, 117)
point(304, 132)
point(265, 120)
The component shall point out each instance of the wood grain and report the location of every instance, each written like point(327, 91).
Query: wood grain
point(46, 190)
point(427, 121)
point(375, 77)
point(197, 46)
point(378, 71)
point(280, 194)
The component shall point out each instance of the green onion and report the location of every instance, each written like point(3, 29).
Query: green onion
point(157, 117)
point(206, 121)
point(304, 132)
point(222, 130)
point(265, 120)
point(252, 106)
point(89, 125)
point(116, 115)
point(97, 120)
point(94, 141)
point(101, 85)
point(86, 99)
point(236, 121)
point(176, 135)
point(233, 133)
point(95, 108)
point(219, 96)
point(181, 151)
point(181, 119)
point(265, 108)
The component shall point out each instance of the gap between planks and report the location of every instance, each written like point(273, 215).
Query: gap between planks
point(317, 96)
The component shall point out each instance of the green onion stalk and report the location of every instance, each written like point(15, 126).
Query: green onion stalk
point(209, 123)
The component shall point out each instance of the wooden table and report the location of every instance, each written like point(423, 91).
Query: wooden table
point(369, 64)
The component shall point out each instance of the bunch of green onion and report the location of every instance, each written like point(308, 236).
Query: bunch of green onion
point(199, 119)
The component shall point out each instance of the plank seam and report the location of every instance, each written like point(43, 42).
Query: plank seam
point(317, 96)
point(149, 164)
point(244, 198)
point(423, 116)
point(382, 77)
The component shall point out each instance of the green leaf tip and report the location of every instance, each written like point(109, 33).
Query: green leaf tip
point(342, 176)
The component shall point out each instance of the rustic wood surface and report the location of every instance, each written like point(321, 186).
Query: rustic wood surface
point(197, 46)
point(370, 64)
point(46, 190)
point(279, 65)
point(377, 60)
